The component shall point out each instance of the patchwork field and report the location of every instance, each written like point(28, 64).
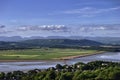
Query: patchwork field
point(43, 54)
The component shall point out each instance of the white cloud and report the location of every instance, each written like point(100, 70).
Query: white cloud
point(89, 28)
point(90, 11)
point(55, 28)
point(2, 31)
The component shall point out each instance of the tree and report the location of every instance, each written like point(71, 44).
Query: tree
point(50, 75)
point(58, 66)
point(2, 75)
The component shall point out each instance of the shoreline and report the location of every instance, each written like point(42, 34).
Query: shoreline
point(55, 59)
point(79, 56)
point(29, 60)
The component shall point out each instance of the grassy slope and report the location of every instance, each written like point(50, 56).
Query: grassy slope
point(42, 54)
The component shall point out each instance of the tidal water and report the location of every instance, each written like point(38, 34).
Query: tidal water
point(25, 66)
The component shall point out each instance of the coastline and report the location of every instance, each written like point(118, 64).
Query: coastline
point(55, 59)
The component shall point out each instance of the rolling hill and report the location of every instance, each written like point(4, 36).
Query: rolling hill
point(48, 43)
point(105, 40)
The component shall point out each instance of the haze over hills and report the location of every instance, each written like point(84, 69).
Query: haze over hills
point(106, 40)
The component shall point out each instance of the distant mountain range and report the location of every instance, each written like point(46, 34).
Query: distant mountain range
point(37, 43)
point(106, 40)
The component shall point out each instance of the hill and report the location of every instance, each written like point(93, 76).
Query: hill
point(66, 42)
point(48, 43)
point(105, 40)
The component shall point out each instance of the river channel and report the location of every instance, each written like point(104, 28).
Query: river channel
point(25, 66)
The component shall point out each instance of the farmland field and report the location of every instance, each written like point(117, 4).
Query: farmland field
point(43, 54)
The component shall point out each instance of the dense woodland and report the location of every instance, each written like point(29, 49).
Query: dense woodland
point(97, 70)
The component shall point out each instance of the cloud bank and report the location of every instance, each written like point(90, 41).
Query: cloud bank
point(53, 28)
point(99, 27)
point(62, 30)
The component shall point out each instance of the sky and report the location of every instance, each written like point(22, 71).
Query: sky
point(60, 18)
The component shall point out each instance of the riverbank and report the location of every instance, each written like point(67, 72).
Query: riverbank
point(30, 60)
point(78, 56)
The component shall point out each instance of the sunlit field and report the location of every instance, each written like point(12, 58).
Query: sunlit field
point(43, 54)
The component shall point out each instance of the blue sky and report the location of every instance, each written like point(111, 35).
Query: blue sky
point(58, 17)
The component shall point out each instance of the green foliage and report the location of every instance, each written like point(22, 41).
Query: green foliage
point(98, 72)
point(50, 75)
point(58, 66)
point(66, 76)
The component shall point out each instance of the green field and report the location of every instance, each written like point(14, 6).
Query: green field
point(42, 54)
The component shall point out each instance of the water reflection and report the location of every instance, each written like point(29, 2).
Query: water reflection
point(108, 56)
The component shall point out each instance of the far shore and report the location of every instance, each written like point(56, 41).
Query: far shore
point(78, 56)
point(55, 59)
